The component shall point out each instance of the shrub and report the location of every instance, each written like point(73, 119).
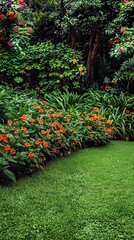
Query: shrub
point(44, 67)
point(38, 133)
point(118, 108)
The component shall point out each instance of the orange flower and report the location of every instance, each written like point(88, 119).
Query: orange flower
point(72, 130)
point(5, 139)
point(92, 135)
point(109, 122)
point(27, 144)
point(62, 130)
point(44, 102)
point(48, 130)
point(36, 105)
point(43, 131)
point(99, 124)
point(39, 120)
point(12, 151)
point(9, 135)
point(31, 120)
point(92, 119)
point(48, 136)
point(57, 133)
point(89, 127)
point(10, 122)
point(66, 120)
point(80, 69)
point(75, 141)
point(24, 129)
point(45, 144)
point(23, 118)
point(6, 148)
point(38, 141)
point(40, 110)
point(95, 110)
point(1, 137)
point(16, 131)
point(74, 60)
point(30, 154)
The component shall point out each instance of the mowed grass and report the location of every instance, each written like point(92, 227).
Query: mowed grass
point(87, 196)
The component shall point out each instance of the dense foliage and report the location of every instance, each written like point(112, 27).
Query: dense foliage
point(52, 52)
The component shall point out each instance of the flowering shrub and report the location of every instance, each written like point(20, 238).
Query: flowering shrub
point(13, 30)
point(44, 67)
point(28, 140)
point(118, 108)
point(122, 45)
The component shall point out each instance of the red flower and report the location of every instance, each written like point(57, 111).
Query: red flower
point(106, 87)
point(6, 148)
point(36, 165)
point(127, 111)
point(69, 153)
point(117, 40)
point(2, 16)
point(12, 151)
point(54, 150)
point(11, 14)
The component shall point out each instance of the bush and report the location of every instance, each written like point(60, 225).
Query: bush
point(37, 133)
point(44, 67)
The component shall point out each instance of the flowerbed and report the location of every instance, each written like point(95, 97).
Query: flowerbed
point(40, 133)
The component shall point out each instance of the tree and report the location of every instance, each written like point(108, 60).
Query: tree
point(82, 23)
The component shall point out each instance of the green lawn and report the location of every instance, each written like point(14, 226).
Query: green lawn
point(87, 196)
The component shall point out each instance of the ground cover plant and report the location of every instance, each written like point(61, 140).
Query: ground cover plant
point(35, 132)
point(88, 195)
point(116, 106)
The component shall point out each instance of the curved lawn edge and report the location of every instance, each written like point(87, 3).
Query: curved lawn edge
point(88, 195)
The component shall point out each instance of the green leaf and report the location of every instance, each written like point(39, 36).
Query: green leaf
point(9, 174)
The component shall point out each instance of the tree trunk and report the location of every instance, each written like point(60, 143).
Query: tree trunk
point(73, 41)
point(94, 44)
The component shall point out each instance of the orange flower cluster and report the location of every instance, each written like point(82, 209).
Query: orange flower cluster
point(24, 129)
point(38, 141)
point(8, 148)
point(3, 138)
point(55, 115)
point(108, 130)
point(40, 121)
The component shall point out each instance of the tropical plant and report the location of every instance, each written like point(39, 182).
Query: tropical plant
point(35, 133)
